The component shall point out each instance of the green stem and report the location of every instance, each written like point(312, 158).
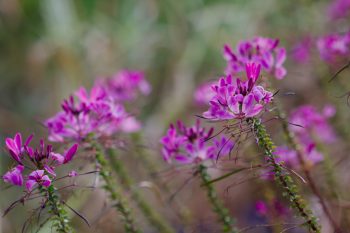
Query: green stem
point(60, 218)
point(218, 207)
point(306, 169)
point(115, 195)
point(152, 217)
point(287, 183)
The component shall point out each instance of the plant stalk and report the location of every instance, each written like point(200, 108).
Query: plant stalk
point(219, 209)
point(265, 143)
point(152, 216)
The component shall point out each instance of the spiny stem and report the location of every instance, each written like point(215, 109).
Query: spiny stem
point(265, 143)
point(306, 169)
point(152, 217)
point(60, 218)
point(218, 207)
point(115, 195)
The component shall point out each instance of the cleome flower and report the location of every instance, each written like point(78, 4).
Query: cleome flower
point(310, 125)
point(237, 99)
point(260, 50)
point(192, 145)
point(334, 46)
point(126, 85)
point(40, 162)
point(96, 113)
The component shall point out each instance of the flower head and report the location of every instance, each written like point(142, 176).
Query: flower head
point(190, 144)
point(260, 50)
point(97, 113)
point(238, 99)
point(334, 46)
point(41, 162)
point(339, 9)
point(310, 125)
point(126, 85)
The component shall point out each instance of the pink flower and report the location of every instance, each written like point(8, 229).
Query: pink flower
point(96, 114)
point(240, 99)
point(37, 177)
point(334, 46)
point(14, 176)
point(126, 84)
point(15, 146)
point(301, 52)
point(339, 9)
point(42, 159)
point(203, 94)
point(190, 144)
point(310, 125)
point(261, 208)
point(260, 50)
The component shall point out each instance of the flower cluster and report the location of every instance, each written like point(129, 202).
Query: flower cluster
point(100, 112)
point(309, 124)
point(290, 158)
point(309, 127)
point(39, 163)
point(192, 144)
point(334, 46)
point(339, 9)
point(237, 99)
point(126, 85)
point(260, 50)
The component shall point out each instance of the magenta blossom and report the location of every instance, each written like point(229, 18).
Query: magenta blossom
point(192, 145)
point(238, 99)
point(90, 114)
point(339, 9)
point(14, 176)
point(310, 125)
point(15, 146)
point(37, 177)
point(301, 52)
point(204, 94)
point(334, 46)
point(260, 50)
point(40, 162)
point(288, 156)
point(126, 85)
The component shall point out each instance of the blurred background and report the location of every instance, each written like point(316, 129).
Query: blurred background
point(51, 47)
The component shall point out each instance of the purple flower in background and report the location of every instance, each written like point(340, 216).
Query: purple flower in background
point(96, 113)
point(334, 46)
point(14, 176)
point(261, 208)
point(310, 125)
point(260, 50)
point(301, 52)
point(339, 9)
point(237, 99)
point(273, 208)
point(289, 156)
point(192, 145)
point(204, 94)
point(126, 85)
point(40, 162)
